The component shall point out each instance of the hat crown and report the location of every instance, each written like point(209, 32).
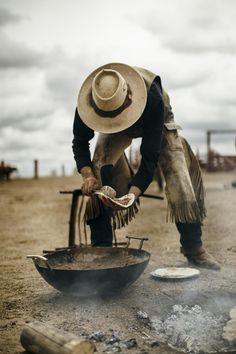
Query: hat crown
point(109, 90)
point(116, 103)
point(107, 85)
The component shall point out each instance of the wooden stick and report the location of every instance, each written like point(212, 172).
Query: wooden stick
point(38, 338)
point(145, 195)
point(73, 214)
point(80, 206)
point(152, 196)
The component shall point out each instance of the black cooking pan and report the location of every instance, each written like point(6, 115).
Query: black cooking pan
point(87, 271)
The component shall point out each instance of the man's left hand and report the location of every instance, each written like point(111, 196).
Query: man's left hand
point(136, 191)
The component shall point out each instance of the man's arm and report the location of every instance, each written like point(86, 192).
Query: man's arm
point(80, 146)
point(80, 143)
point(151, 141)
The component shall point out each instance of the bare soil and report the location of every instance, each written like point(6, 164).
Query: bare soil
point(34, 216)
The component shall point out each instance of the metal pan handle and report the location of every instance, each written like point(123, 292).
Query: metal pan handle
point(36, 258)
point(141, 239)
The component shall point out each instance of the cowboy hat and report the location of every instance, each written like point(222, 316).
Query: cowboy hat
point(112, 98)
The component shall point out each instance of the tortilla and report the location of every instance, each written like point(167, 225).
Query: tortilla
point(107, 193)
point(175, 273)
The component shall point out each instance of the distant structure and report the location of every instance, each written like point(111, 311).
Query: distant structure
point(6, 171)
point(216, 162)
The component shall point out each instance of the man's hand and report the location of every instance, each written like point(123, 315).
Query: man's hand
point(136, 191)
point(90, 182)
point(89, 185)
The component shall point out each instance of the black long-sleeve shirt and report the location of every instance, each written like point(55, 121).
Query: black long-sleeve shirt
point(150, 124)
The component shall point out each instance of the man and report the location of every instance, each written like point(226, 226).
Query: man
point(122, 103)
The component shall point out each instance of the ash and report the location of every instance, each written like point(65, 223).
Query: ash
point(191, 330)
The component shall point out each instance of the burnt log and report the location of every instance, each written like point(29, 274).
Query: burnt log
point(39, 338)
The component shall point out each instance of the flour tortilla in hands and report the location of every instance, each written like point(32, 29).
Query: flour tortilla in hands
point(107, 193)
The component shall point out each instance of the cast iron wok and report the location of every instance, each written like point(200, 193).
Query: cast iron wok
point(88, 282)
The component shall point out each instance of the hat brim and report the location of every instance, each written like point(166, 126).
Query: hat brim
point(122, 120)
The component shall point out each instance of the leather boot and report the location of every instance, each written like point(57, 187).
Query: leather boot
point(200, 257)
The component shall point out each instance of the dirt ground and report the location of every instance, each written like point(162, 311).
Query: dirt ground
point(34, 216)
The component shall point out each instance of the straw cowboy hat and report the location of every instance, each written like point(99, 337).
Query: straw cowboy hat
point(112, 98)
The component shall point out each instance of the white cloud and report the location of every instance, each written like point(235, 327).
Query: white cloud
point(194, 26)
point(17, 55)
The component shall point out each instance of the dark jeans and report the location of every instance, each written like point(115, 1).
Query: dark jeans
point(190, 235)
point(101, 230)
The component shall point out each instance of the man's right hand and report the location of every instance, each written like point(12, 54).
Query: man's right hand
point(89, 185)
point(90, 182)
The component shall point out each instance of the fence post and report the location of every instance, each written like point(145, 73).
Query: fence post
point(36, 176)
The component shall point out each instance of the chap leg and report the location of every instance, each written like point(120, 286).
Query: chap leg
point(190, 234)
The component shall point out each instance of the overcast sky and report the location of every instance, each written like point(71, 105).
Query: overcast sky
point(48, 47)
